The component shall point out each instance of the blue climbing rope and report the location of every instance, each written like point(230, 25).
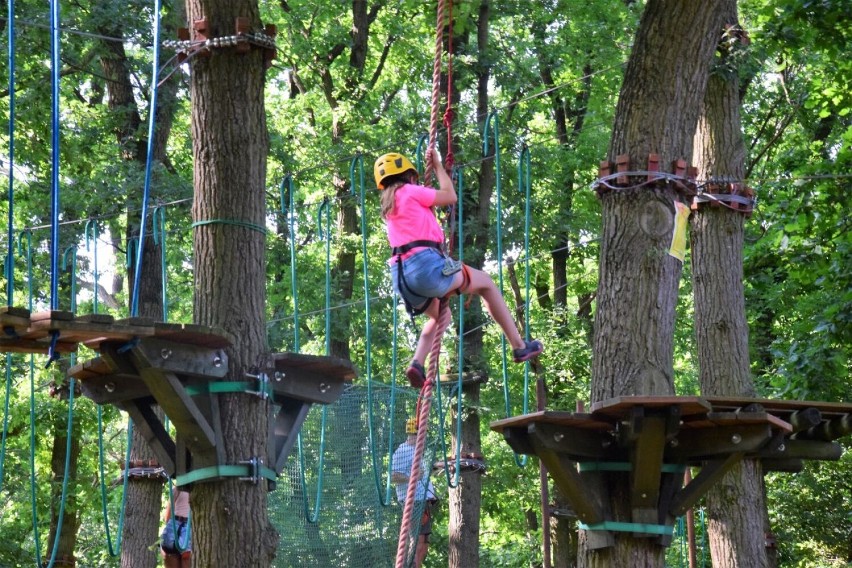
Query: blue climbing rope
point(91, 232)
point(152, 122)
point(9, 268)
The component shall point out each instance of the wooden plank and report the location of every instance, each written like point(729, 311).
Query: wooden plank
point(308, 386)
point(713, 419)
point(13, 319)
point(23, 345)
point(52, 315)
point(555, 417)
point(96, 318)
point(617, 407)
point(321, 365)
point(779, 407)
point(193, 334)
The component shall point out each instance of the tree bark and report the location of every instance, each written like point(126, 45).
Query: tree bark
point(638, 280)
point(230, 146)
point(736, 505)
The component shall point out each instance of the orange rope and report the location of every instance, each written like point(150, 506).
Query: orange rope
point(424, 404)
point(436, 89)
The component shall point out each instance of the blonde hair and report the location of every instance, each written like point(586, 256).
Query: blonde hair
point(392, 183)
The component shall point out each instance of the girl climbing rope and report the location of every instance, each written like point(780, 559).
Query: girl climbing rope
point(421, 273)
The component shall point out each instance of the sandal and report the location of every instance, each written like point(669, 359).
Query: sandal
point(416, 375)
point(528, 351)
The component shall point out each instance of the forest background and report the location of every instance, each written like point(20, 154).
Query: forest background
point(554, 73)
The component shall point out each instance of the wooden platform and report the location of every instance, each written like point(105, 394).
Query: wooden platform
point(653, 439)
point(181, 369)
point(34, 333)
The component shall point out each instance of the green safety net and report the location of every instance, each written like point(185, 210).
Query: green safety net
point(345, 513)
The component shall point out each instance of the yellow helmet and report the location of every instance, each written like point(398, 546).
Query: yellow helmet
point(390, 165)
point(411, 426)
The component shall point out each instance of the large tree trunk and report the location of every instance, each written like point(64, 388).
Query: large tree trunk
point(465, 500)
point(638, 280)
point(230, 145)
point(736, 505)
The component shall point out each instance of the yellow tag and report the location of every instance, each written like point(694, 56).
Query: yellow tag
point(678, 246)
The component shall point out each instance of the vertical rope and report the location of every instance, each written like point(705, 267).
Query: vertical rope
point(436, 89)
point(55, 67)
point(10, 262)
point(423, 409)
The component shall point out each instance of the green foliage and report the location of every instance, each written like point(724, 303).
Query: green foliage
point(543, 57)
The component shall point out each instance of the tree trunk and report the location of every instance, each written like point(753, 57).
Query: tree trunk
point(61, 451)
point(465, 500)
point(230, 146)
point(736, 505)
point(638, 280)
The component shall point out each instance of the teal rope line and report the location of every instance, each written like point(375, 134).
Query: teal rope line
point(326, 206)
point(290, 212)
point(492, 128)
point(313, 517)
point(442, 417)
point(644, 528)
point(419, 161)
point(231, 222)
point(92, 232)
point(221, 387)
point(158, 230)
point(113, 551)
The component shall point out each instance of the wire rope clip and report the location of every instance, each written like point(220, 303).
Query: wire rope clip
point(261, 381)
point(254, 464)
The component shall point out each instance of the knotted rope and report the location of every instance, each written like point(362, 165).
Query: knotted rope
point(424, 404)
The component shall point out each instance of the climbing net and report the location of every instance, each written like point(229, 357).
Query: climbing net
point(334, 505)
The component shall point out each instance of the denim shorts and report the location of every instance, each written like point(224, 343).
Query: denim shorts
point(423, 277)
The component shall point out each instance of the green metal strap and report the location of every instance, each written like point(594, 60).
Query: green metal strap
point(259, 387)
point(626, 466)
point(217, 471)
point(644, 528)
point(233, 223)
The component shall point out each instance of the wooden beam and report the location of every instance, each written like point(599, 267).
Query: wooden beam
point(708, 443)
point(183, 359)
point(575, 443)
point(804, 449)
point(146, 421)
point(288, 421)
point(646, 455)
point(586, 504)
point(701, 483)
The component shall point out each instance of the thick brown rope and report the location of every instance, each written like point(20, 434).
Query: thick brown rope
point(424, 404)
point(436, 90)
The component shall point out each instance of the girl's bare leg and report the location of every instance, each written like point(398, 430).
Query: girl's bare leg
point(482, 285)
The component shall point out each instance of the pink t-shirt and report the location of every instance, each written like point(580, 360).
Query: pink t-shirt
point(412, 219)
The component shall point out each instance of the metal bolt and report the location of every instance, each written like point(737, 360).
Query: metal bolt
point(674, 443)
point(278, 376)
point(217, 361)
point(782, 448)
point(736, 439)
point(110, 387)
point(559, 436)
point(165, 353)
point(323, 387)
